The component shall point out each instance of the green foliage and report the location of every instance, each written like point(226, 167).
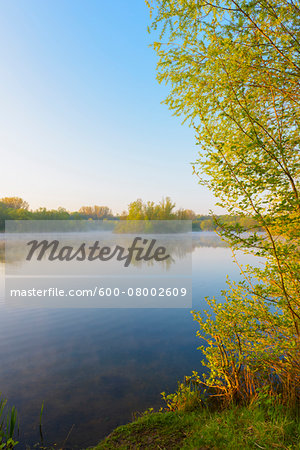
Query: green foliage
point(234, 71)
point(14, 203)
point(15, 208)
point(186, 398)
point(8, 426)
point(96, 212)
point(139, 210)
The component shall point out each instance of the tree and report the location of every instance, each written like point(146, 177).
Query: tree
point(96, 212)
point(185, 214)
point(14, 203)
point(234, 69)
point(163, 210)
point(136, 210)
point(166, 207)
point(207, 224)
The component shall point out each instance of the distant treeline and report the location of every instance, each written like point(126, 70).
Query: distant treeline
point(15, 208)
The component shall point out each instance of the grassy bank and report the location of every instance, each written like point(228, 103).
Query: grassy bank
point(249, 427)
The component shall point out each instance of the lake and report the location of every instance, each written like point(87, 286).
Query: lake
point(93, 368)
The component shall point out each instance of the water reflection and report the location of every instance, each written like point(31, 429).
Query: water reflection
point(177, 246)
point(54, 253)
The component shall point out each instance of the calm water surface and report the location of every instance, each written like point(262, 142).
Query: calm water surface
point(94, 367)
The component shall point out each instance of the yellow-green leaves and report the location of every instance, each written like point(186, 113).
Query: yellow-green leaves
point(233, 68)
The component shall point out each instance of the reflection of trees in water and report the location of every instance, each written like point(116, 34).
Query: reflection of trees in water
point(152, 226)
point(178, 246)
point(2, 251)
point(204, 240)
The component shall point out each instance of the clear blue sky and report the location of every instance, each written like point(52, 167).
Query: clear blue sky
point(81, 119)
